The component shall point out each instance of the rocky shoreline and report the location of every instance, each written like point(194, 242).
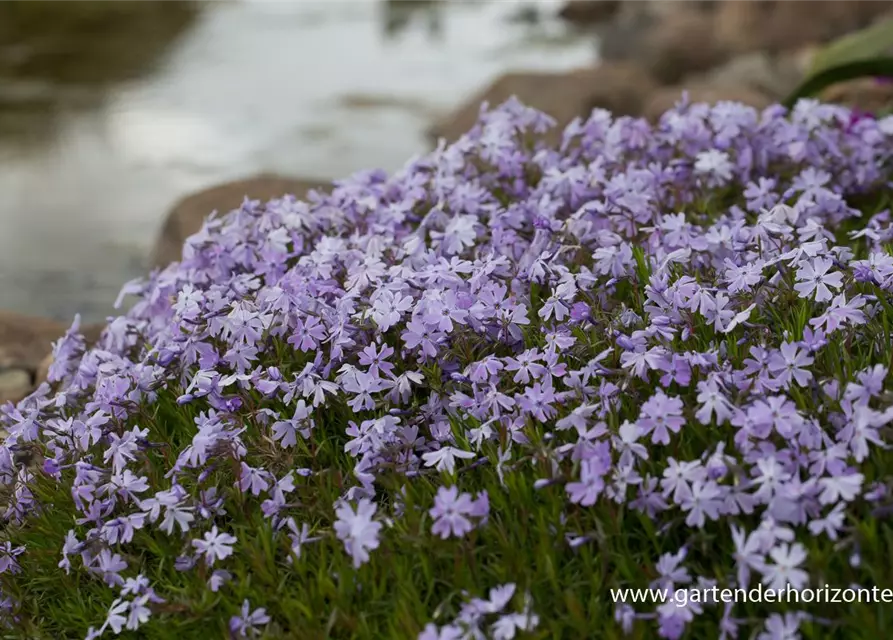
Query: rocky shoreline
point(750, 51)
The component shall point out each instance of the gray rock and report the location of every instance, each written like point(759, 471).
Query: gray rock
point(679, 45)
point(187, 216)
point(786, 25)
point(588, 12)
point(621, 87)
point(774, 76)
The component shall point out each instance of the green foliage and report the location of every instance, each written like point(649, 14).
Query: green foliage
point(855, 55)
point(875, 67)
point(872, 42)
point(415, 575)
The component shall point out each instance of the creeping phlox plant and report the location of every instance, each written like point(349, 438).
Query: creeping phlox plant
point(467, 400)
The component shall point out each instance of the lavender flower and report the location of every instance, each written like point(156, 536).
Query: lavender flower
point(679, 329)
point(357, 530)
point(215, 546)
point(452, 512)
point(247, 623)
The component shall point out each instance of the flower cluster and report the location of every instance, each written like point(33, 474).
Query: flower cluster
point(452, 512)
point(475, 612)
point(649, 343)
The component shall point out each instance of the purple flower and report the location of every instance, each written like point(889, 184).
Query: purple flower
point(670, 570)
point(357, 530)
point(444, 459)
point(451, 512)
point(285, 431)
point(501, 308)
point(870, 384)
point(790, 364)
point(677, 369)
point(748, 555)
point(714, 165)
point(703, 501)
point(8, 555)
point(300, 537)
point(116, 618)
point(449, 632)
point(760, 195)
point(253, 480)
point(139, 613)
point(218, 579)
point(388, 308)
point(776, 412)
point(661, 414)
point(591, 484)
point(580, 311)
point(813, 278)
point(214, 545)
point(785, 568)
point(247, 624)
point(375, 357)
point(780, 626)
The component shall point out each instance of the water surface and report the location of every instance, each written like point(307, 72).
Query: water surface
point(93, 156)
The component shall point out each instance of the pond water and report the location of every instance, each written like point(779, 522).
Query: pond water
point(96, 143)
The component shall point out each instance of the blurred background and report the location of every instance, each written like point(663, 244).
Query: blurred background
point(112, 111)
point(124, 123)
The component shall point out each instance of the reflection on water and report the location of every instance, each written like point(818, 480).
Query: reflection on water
point(88, 42)
point(58, 56)
point(399, 14)
point(111, 111)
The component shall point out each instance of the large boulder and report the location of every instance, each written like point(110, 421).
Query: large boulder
point(795, 24)
point(621, 40)
point(773, 76)
point(666, 97)
point(621, 87)
point(665, 8)
point(636, 23)
point(588, 12)
point(654, 10)
point(678, 45)
point(187, 216)
point(740, 24)
point(784, 25)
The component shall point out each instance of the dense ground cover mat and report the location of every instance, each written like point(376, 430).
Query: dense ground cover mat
point(470, 399)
